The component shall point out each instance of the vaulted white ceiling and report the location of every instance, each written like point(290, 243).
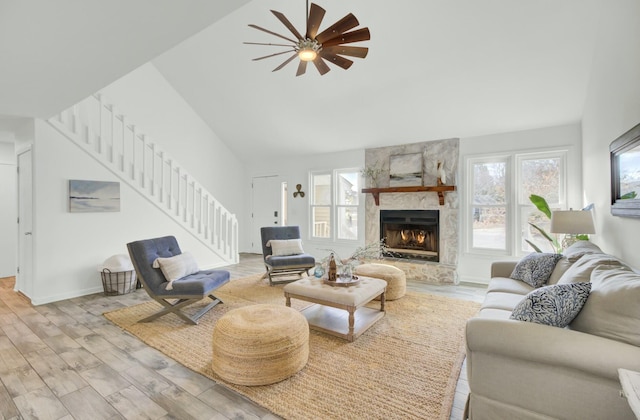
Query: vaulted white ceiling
point(435, 69)
point(55, 53)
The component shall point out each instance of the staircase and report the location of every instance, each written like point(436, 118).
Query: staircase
point(115, 142)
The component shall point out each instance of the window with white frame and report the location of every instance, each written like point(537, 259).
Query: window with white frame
point(498, 210)
point(334, 204)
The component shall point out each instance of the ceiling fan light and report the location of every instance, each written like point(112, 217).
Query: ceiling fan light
point(307, 54)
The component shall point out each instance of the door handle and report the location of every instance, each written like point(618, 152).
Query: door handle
point(28, 233)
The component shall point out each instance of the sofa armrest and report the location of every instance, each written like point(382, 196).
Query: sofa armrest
point(530, 371)
point(502, 268)
point(551, 346)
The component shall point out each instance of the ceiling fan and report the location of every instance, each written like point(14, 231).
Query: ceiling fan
point(319, 48)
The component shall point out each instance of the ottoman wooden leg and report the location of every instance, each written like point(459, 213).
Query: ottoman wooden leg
point(352, 321)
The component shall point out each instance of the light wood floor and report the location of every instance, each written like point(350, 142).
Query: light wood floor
point(64, 360)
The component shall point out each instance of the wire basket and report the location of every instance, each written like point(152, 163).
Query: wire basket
point(118, 282)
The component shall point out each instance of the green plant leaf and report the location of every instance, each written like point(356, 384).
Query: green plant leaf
point(542, 232)
point(532, 245)
point(557, 248)
point(541, 204)
point(582, 237)
point(629, 196)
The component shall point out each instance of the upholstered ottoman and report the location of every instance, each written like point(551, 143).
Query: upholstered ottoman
point(260, 344)
point(395, 278)
point(328, 314)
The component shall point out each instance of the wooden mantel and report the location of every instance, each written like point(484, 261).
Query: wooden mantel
point(440, 189)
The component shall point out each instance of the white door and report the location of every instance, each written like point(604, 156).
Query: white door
point(24, 279)
point(266, 208)
point(8, 216)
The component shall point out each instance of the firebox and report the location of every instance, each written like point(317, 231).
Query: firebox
point(411, 234)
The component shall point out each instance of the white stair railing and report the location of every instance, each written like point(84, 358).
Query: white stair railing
point(119, 145)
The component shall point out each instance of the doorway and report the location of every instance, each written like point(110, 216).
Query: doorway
point(24, 277)
point(268, 207)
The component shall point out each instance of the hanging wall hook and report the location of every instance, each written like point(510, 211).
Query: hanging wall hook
point(296, 193)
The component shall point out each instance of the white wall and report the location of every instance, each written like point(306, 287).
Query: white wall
point(158, 110)
point(296, 171)
point(68, 247)
point(473, 267)
point(612, 107)
point(8, 209)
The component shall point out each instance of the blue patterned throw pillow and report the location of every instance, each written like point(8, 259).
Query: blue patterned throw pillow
point(536, 268)
point(555, 305)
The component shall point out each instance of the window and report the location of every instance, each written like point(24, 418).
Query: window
point(334, 204)
point(498, 210)
point(489, 204)
point(541, 175)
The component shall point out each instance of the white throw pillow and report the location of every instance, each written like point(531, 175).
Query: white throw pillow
point(176, 267)
point(284, 247)
point(612, 310)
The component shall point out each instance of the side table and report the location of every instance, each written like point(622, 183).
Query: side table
point(630, 381)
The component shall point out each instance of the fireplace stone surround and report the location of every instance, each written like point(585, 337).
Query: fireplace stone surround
point(447, 152)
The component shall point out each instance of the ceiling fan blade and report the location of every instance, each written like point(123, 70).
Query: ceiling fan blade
point(302, 67)
point(286, 62)
point(359, 52)
point(272, 55)
point(362, 34)
point(345, 63)
point(316, 13)
point(321, 66)
point(272, 33)
point(341, 26)
point(288, 24)
point(264, 43)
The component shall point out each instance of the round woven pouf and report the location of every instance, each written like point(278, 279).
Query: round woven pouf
point(395, 278)
point(260, 344)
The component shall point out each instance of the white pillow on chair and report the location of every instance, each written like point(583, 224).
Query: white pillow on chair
point(284, 247)
point(176, 267)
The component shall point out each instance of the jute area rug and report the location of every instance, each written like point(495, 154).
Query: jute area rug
point(405, 366)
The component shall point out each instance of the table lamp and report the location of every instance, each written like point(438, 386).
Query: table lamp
point(572, 223)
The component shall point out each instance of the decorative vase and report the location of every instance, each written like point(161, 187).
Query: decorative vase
point(346, 272)
point(319, 271)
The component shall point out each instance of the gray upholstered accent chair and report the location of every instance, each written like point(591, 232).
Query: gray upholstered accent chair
point(287, 265)
point(187, 290)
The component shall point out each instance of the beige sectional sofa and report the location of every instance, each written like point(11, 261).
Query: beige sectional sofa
point(527, 370)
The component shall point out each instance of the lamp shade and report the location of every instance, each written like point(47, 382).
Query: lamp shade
point(572, 221)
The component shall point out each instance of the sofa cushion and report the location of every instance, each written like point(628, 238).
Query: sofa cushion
point(580, 248)
point(562, 266)
point(492, 313)
point(581, 270)
point(613, 309)
point(501, 300)
point(555, 305)
point(502, 284)
point(536, 268)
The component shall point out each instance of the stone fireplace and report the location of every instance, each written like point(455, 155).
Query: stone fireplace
point(430, 230)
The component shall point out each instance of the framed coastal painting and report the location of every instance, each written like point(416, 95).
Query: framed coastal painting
point(405, 170)
point(93, 196)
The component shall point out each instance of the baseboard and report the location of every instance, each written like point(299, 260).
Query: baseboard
point(67, 295)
